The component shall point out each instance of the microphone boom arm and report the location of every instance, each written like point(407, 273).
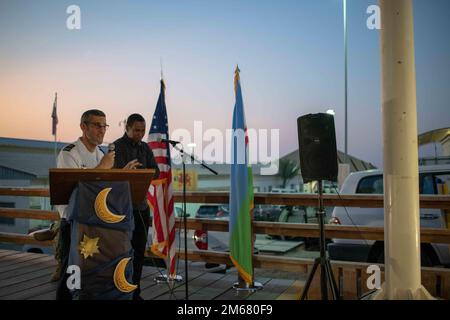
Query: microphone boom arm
point(181, 150)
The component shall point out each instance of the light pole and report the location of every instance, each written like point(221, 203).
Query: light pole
point(192, 147)
point(345, 82)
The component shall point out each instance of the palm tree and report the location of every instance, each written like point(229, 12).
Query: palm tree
point(287, 171)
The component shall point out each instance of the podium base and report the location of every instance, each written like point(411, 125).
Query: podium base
point(248, 288)
point(165, 279)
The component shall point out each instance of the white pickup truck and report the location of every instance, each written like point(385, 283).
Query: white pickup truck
point(432, 180)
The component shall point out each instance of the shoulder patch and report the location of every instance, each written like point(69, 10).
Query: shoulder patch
point(69, 147)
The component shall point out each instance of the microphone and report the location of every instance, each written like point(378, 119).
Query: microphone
point(111, 148)
point(172, 142)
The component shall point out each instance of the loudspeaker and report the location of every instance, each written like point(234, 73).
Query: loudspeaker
point(317, 147)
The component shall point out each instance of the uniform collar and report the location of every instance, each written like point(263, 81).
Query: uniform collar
point(83, 147)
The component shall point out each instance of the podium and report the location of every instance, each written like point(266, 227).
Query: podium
point(101, 221)
point(64, 181)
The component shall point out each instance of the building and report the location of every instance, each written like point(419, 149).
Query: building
point(437, 136)
point(25, 163)
point(207, 181)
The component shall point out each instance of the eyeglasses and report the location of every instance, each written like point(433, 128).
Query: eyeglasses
point(99, 125)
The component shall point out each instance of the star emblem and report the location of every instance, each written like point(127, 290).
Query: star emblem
point(88, 247)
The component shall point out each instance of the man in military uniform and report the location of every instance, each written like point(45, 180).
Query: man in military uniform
point(83, 153)
point(131, 149)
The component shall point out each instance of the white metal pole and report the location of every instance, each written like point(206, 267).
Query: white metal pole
point(401, 171)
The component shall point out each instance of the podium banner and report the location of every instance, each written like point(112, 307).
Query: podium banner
point(101, 218)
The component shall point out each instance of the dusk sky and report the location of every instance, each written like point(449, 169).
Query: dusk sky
point(291, 56)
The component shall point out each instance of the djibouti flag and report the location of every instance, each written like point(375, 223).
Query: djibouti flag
point(241, 192)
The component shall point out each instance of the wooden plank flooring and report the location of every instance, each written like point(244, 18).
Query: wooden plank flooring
point(26, 276)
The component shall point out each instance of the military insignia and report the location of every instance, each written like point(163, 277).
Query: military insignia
point(69, 147)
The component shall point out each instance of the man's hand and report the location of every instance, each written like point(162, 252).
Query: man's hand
point(133, 164)
point(107, 161)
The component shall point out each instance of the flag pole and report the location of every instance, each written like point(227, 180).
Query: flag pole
point(55, 130)
point(167, 220)
point(243, 283)
point(168, 277)
point(56, 156)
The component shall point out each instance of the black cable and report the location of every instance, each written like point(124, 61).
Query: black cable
point(179, 246)
point(185, 232)
point(172, 289)
point(179, 238)
point(178, 260)
point(368, 293)
point(348, 215)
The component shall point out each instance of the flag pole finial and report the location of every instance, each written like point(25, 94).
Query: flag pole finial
point(160, 63)
point(236, 77)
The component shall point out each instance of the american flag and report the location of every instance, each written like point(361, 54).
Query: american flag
point(160, 194)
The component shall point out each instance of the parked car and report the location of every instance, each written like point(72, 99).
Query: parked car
point(213, 211)
point(179, 213)
point(262, 212)
point(432, 180)
point(300, 214)
point(205, 240)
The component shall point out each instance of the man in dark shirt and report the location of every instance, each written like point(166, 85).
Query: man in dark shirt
point(132, 153)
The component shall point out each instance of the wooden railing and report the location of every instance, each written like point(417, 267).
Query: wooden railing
point(273, 228)
point(351, 276)
point(330, 200)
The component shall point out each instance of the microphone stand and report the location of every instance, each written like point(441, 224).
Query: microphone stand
point(194, 160)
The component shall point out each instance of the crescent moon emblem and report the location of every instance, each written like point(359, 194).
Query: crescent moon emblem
point(120, 281)
point(101, 208)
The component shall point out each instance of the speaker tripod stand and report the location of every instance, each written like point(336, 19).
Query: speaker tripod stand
point(327, 280)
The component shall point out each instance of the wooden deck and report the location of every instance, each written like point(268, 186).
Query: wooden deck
point(26, 276)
